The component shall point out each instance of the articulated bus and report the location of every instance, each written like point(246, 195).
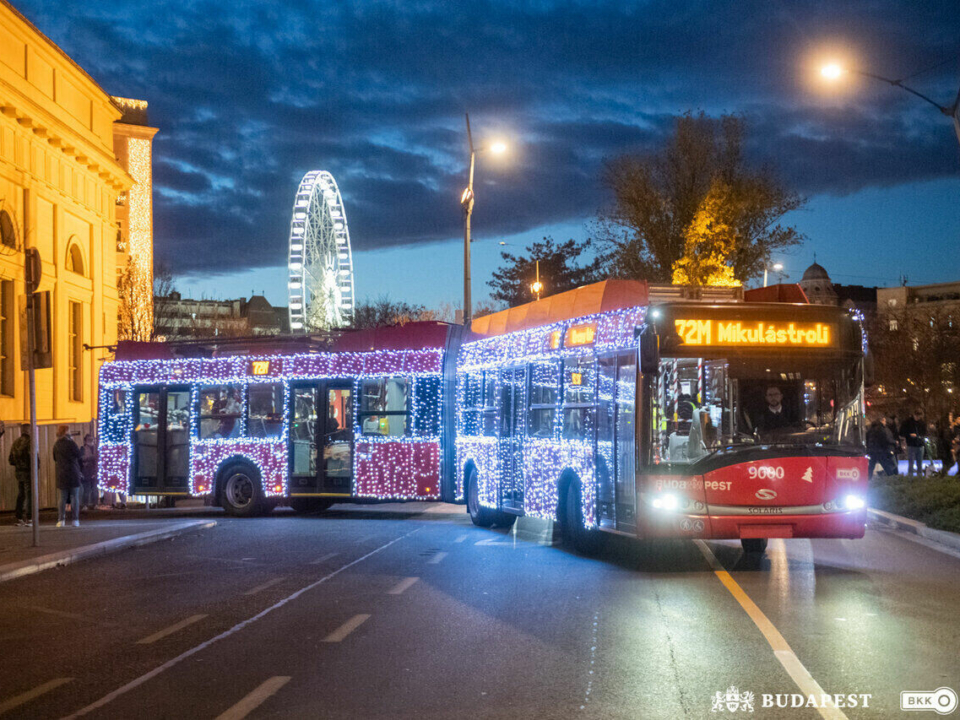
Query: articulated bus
point(693, 420)
point(616, 407)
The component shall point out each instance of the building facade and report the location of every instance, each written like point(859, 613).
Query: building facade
point(60, 183)
point(179, 318)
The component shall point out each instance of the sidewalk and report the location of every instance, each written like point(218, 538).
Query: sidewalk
point(100, 533)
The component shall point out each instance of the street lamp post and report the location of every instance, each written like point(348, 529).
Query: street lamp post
point(466, 201)
point(778, 267)
point(536, 286)
point(834, 71)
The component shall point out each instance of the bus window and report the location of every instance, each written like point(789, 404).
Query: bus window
point(384, 409)
point(579, 411)
point(220, 411)
point(471, 411)
point(427, 421)
point(489, 417)
point(265, 411)
point(606, 470)
point(115, 420)
point(544, 392)
point(303, 431)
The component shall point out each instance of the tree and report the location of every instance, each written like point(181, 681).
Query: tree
point(657, 196)
point(710, 241)
point(559, 270)
point(383, 312)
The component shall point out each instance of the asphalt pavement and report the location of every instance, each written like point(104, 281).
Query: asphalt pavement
point(408, 611)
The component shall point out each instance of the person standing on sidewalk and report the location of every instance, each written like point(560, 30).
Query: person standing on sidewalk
point(20, 459)
point(914, 431)
point(880, 446)
point(88, 465)
point(67, 457)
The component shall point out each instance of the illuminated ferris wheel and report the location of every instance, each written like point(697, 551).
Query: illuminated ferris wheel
point(320, 262)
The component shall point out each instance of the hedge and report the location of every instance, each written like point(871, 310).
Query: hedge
point(934, 501)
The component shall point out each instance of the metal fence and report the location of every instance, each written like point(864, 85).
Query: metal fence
point(48, 481)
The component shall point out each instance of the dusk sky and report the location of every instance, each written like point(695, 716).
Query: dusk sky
point(249, 95)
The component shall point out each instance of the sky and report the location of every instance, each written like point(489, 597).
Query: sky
point(250, 95)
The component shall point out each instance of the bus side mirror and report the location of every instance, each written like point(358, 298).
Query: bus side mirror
point(869, 370)
point(649, 350)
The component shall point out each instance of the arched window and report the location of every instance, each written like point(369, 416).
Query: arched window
point(74, 258)
point(8, 233)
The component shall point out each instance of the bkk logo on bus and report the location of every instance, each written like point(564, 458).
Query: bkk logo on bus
point(736, 332)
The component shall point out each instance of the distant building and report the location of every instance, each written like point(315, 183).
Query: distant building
point(944, 296)
point(179, 318)
point(821, 290)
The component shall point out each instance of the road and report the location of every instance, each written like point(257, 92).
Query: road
point(408, 611)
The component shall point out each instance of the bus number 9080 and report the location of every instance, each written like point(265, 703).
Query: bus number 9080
point(765, 472)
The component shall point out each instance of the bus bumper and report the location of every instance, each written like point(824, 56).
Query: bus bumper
point(850, 525)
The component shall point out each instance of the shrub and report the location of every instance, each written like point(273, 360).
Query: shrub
point(934, 501)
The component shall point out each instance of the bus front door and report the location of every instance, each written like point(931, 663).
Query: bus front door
point(321, 439)
point(161, 441)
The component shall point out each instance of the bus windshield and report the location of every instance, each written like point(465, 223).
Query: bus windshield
point(702, 405)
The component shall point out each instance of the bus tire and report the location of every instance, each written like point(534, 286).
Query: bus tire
point(241, 492)
point(575, 534)
point(505, 520)
point(754, 546)
point(480, 515)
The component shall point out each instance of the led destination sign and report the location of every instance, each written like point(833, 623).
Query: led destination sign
point(756, 334)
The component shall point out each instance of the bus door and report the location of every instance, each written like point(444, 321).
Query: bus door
point(321, 438)
point(161, 440)
point(510, 448)
point(626, 442)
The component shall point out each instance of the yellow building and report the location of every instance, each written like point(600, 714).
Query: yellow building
point(75, 183)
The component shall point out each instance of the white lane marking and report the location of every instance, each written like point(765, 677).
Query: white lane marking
point(149, 639)
point(133, 684)
point(23, 698)
point(348, 627)
point(437, 558)
point(324, 558)
point(255, 699)
point(494, 541)
point(461, 538)
point(402, 585)
point(267, 584)
point(781, 649)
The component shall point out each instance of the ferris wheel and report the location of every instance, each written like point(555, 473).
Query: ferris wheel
point(320, 263)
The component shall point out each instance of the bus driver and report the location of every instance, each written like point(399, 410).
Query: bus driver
point(773, 417)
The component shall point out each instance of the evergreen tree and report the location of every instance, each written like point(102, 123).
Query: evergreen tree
point(560, 270)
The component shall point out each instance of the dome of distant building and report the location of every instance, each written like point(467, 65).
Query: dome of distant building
point(818, 286)
point(816, 272)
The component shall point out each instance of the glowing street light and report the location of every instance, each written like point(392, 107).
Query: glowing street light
point(466, 201)
point(834, 71)
point(777, 267)
point(537, 287)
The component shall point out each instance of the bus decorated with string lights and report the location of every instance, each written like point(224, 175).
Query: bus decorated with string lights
point(666, 418)
point(252, 423)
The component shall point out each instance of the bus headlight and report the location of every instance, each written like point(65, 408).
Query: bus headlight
point(666, 502)
point(853, 502)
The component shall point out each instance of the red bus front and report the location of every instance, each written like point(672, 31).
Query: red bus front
point(753, 425)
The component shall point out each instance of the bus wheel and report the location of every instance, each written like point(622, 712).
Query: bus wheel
point(505, 520)
point(754, 546)
point(574, 532)
point(481, 516)
point(241, 494)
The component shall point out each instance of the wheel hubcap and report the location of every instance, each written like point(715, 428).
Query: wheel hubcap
point(240, 490)
point(473, 497)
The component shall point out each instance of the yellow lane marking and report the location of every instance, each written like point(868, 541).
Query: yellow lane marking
point(23, 698)
point(149, 639)
point(781, 649)
point(255, 699)
point(348, 627)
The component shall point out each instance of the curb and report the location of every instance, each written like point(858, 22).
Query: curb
point(915, 527)
point(66, 557)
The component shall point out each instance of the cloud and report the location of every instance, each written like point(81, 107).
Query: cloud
point(250, 95)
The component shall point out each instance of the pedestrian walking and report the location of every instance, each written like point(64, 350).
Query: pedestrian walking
point(880, 448)
point(88, 466)
point(914, 431)
point(20, 459)
point(67, 457)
